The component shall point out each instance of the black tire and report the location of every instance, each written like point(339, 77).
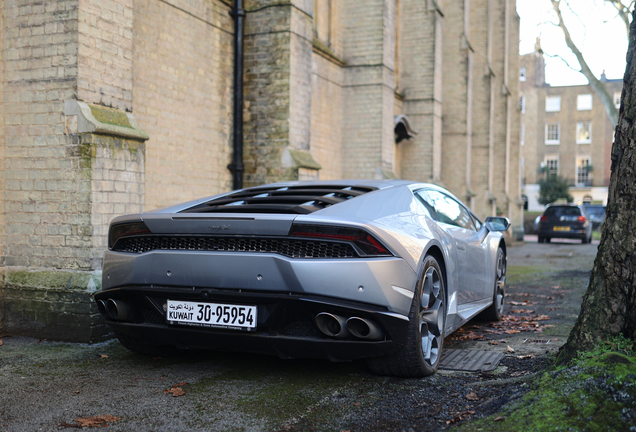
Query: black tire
point(137, 345)
point(495, 310)
point(421, 354)
point(548, 239)
point(585, 239)
point(541, 239)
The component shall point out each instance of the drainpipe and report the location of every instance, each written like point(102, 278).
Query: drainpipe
point(237, 166)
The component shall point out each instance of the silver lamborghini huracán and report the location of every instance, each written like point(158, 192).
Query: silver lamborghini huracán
point(340, 270)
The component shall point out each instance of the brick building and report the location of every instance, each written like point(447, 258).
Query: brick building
point(114, 106)
point(564, 130)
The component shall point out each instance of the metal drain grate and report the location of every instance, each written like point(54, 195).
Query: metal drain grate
point(470, 360)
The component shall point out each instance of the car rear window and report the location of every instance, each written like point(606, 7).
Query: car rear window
point(562, 211)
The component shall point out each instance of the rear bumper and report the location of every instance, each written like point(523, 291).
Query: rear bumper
point(285, 323)
point(383, 282)
point(573, 233)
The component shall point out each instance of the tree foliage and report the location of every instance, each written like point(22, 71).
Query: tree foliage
point(610, 301)
point(552, 188)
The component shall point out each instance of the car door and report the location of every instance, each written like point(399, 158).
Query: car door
point(457, 221)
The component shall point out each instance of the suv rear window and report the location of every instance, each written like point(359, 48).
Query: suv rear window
point(562, 211)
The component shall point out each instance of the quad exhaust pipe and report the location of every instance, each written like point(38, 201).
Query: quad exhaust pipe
point(115, 309)
point(332, 325)
point(340, 327)
point(363, 328)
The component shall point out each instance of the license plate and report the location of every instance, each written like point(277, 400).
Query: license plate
point(227, 316)
point(558, 228)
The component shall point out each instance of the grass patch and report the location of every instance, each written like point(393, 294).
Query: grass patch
point(517, 273)
point(597, 392)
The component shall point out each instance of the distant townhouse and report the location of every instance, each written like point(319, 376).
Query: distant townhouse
point(566, 131)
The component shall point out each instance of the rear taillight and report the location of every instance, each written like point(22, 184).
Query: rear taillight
point(365, 243)
point(544, 218)
point(582, 219)
point(125, 230)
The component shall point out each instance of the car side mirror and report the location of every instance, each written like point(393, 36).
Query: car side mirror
point(497, 223)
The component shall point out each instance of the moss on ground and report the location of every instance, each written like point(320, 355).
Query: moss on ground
point(596, 393)
point(285, 394)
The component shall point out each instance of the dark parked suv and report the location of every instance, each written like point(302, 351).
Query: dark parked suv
point(565, 221)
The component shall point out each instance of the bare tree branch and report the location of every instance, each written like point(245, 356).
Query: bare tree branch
point(563, 60)
point(623, 11)
point(596, 84)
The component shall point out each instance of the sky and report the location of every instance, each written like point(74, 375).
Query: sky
point(595, 27)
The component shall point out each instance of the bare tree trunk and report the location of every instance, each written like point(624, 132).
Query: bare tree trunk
point(609, 305)
point(596, 84)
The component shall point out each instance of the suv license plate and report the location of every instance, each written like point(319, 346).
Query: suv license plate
point(227, 316)
point(560, 228)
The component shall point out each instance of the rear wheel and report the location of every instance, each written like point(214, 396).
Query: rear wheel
point(425, 338)
point(495, 310)
point(137, 345)
point(541, 239)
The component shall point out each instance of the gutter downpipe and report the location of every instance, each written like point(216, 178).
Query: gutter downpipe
point(237, 167)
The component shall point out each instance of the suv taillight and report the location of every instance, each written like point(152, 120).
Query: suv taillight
point(544, 218)
point(365, 243)
point(582, 219)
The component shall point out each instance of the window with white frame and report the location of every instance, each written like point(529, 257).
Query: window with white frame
point(551, 166)
point(552, 133)
point(552, 103)
point(584, 102)
point(583, 170)
point(617, 100)
point(523, 134)
point(584, 132)
point(522, 104)
point(522, 73)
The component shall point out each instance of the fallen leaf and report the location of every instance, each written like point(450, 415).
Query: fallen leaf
point(472, 397)
point(357, 403)
point(176, 389)
point(96, 421)
point(499, 418)
point(103, 356)
point(156, 358)
point(38, 341)
point(509, 350)
point(460, 416)
point(493, 343)
point(0, 342)
point(523, 357)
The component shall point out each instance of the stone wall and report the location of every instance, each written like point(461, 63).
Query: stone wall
point(369, 87)
point(68, 168)
point(46, 200)
point(182, 87)
point(420, 84)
